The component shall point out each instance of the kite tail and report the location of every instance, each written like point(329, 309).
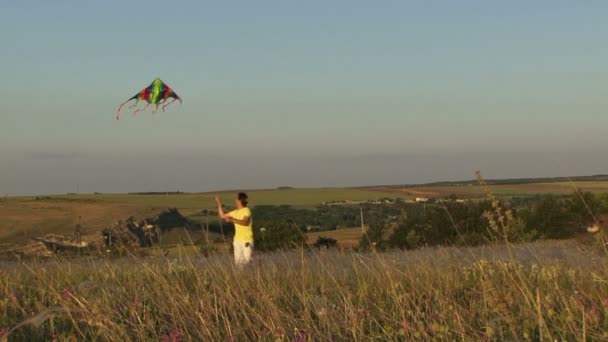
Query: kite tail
point(124, 103)
point(119, 108)
point(174, 99)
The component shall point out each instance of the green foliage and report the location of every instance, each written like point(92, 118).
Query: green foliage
point(273, 235)
point(558, 217)
point(603, 201)
point(583, 207)
point(476, 222)
point(471, 223)
point(412, 239)
point(443, 224)
point(374, 238)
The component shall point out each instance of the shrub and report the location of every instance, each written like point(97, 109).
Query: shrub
point(325, 242)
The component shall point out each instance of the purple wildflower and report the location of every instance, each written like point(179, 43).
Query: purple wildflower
point(67, 294)
point(299, 337)
point(172, 336)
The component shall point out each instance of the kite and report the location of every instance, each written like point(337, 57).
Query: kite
point(157, 93)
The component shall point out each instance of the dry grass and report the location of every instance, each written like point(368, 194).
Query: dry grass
point(550, 290)
point(22, 219)
point(542, 291)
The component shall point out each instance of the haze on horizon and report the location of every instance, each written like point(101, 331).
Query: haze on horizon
point(305, 94)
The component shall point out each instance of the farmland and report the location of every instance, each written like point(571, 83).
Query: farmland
point(474, 190)
point(347, 237)
point(26, 217)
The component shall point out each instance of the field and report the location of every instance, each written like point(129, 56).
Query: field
point(543, 291)
point(347, 237)
point(26, 217)
point(503, 190)
point(549, 290)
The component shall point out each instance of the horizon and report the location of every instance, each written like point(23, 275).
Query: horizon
point(574, 178)
point(314, 95)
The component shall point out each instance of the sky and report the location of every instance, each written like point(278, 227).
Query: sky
point(299, 93)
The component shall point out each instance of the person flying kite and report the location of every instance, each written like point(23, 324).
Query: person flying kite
point(157, 93)
point(243, 230)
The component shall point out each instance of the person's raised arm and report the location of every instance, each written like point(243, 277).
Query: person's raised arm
point(220, 210)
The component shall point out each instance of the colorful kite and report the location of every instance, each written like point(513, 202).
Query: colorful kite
point(157, 93)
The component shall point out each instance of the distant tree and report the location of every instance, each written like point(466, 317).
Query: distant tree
point(584, 207)
point(603, 202)
point(549, 216)
point(373, 238)
point(454, 223)
point(272, 235)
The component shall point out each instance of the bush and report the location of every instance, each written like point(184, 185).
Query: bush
point(374, 238)
point(325, 242)
point(272, 236)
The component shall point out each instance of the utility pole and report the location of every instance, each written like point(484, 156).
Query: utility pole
point(207, 221)
point(205, 225)
point(362, 222)
point(77, 234)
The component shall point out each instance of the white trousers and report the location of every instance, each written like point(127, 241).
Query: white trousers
point(242, 252)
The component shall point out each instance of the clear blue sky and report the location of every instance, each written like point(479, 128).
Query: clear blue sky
point(301, 93)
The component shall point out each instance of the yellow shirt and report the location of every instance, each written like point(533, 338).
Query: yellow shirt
point(242, 233)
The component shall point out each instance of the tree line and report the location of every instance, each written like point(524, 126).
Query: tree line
point(412, 225)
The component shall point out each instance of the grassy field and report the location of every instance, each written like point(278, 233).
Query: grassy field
point(295, 197)
point(543, 291)
point(26, 217)
point(504, 190)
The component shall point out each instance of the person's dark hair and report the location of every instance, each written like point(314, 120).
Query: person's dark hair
point(243, 198)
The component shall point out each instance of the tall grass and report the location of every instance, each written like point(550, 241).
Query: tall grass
point(549, 290)
point(543, 291)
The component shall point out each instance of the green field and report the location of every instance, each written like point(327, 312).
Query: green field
point(474, 190)
point(296, 197)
